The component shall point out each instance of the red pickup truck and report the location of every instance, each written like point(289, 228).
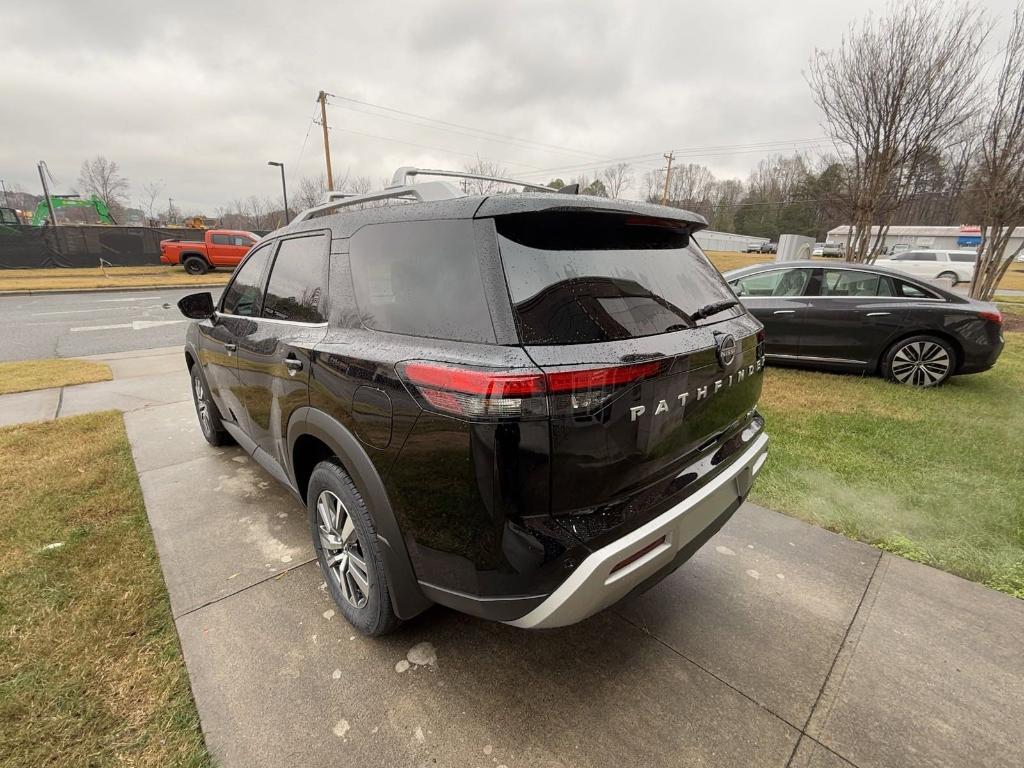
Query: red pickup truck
point(218, 248)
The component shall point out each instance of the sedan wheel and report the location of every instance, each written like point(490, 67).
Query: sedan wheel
point(921, 361)
point(343, 553)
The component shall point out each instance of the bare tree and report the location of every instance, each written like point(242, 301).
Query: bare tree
point(898, 86)
point(617, 178)
point(102, 177)
point(999, 178)
point(150, 193)
point(482, 167)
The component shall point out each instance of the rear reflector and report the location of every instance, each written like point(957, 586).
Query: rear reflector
point(638, 554)
point(995, 317)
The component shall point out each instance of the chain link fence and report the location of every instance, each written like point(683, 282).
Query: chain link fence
point(25, 247)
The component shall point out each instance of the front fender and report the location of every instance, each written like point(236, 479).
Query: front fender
point(407, 598)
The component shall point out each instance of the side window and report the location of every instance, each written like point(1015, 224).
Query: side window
point(849, 282)
point(422, 279)
point(243, 295)
point(295, 288)
point(908, 291)
point(779, 282)
point(885, 286)
point(925, 256)
point(964, 258)
point(221, 239)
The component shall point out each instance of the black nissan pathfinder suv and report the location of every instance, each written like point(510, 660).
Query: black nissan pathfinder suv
point(522, 406)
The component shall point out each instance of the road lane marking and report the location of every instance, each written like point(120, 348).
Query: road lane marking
point(140, 298)
point(135, 325)
point(95, 309)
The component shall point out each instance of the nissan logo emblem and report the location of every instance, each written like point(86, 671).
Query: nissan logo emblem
point(726, 349)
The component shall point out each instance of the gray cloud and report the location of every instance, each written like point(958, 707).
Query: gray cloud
point(201, 95)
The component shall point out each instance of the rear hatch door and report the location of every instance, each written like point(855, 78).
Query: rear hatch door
point(650, 362)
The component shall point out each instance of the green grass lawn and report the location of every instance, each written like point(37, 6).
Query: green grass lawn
point(934, 475)
point(91, 672)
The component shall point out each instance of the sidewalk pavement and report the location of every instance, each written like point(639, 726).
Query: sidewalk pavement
point(142, 379)
point(778, 644)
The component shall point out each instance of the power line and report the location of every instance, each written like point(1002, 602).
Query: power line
point(495, 136)
point(426, 146)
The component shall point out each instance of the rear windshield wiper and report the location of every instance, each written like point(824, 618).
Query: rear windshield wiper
point(713, 309)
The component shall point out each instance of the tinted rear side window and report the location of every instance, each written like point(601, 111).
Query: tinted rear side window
point(583, 277)
point(296, 281)
point(421, 278)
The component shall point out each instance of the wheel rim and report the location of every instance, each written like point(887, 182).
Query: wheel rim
point(920, 363)
point(343, 554)
point(202, 407)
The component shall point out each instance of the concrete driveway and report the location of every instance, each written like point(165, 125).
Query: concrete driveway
point(778, 644)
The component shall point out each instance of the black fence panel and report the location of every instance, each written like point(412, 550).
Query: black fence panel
point(24, 247)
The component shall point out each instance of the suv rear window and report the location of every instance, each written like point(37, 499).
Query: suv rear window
point(584, 277)
point(421, 278)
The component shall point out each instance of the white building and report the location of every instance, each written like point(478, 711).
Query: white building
point(938, 238)
point(710, 240)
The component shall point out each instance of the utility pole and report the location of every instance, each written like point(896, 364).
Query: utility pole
point(668, 174)
point(43, 170)
point(170, 210)
point(322, 98)
point(7, 202)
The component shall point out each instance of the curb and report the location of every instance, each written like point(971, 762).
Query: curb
point(112, 289)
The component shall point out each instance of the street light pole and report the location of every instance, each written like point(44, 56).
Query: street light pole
point(284, 190)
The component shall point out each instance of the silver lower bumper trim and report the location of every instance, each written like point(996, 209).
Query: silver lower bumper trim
point(593, 586)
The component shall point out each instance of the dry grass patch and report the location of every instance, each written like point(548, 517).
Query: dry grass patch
point(90, 668)
point(26, 375)
point(109, 277)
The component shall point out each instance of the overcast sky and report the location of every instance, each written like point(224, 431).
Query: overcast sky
point(199, 96)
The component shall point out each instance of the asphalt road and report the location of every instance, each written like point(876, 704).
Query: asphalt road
point(76, 324)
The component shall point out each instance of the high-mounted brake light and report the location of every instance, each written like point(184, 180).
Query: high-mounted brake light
point(521, 393)
point(994, 316)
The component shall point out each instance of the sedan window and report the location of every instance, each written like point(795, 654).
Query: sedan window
point(778, 282)
point(849, 282)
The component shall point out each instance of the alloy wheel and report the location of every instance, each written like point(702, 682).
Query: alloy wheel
point(343, 554)
point(202, 407)
point(920, 363)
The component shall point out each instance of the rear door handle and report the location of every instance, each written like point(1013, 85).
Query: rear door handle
point(293, 364)
point(784, 312)
point(877, 314)
point(230, 347)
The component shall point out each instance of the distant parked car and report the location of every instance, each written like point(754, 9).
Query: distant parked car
point(765, 247)
point(827, 249)
point(870, 319)
point(753, 248)
point(957, 266)
point(218, 248)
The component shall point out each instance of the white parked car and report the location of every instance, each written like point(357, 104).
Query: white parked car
point(958, 266)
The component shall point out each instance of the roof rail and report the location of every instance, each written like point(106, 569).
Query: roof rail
point(426, 192)
point(402, 175)
point(401, 188)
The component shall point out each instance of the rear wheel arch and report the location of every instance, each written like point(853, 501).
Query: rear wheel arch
point(315, 436)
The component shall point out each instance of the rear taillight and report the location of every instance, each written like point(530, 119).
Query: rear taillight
point(761, 336)
point(477, 392)
point(994, 316)
point(486, 393)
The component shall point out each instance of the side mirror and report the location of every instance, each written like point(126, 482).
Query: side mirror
point(197, 306)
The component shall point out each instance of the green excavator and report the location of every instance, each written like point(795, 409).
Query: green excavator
point(42, 214)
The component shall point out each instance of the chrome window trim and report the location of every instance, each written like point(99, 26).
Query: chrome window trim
point(256, 318)
point(848, 267)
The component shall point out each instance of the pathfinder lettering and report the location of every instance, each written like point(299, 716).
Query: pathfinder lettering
point(701, 393)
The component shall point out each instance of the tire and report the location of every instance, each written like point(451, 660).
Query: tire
point(346, 546)
point(196, 265)
point(206, 410)
point(951, 275)
point(919, 361)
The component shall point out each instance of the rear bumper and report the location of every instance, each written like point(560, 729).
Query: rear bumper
point(601, 580)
